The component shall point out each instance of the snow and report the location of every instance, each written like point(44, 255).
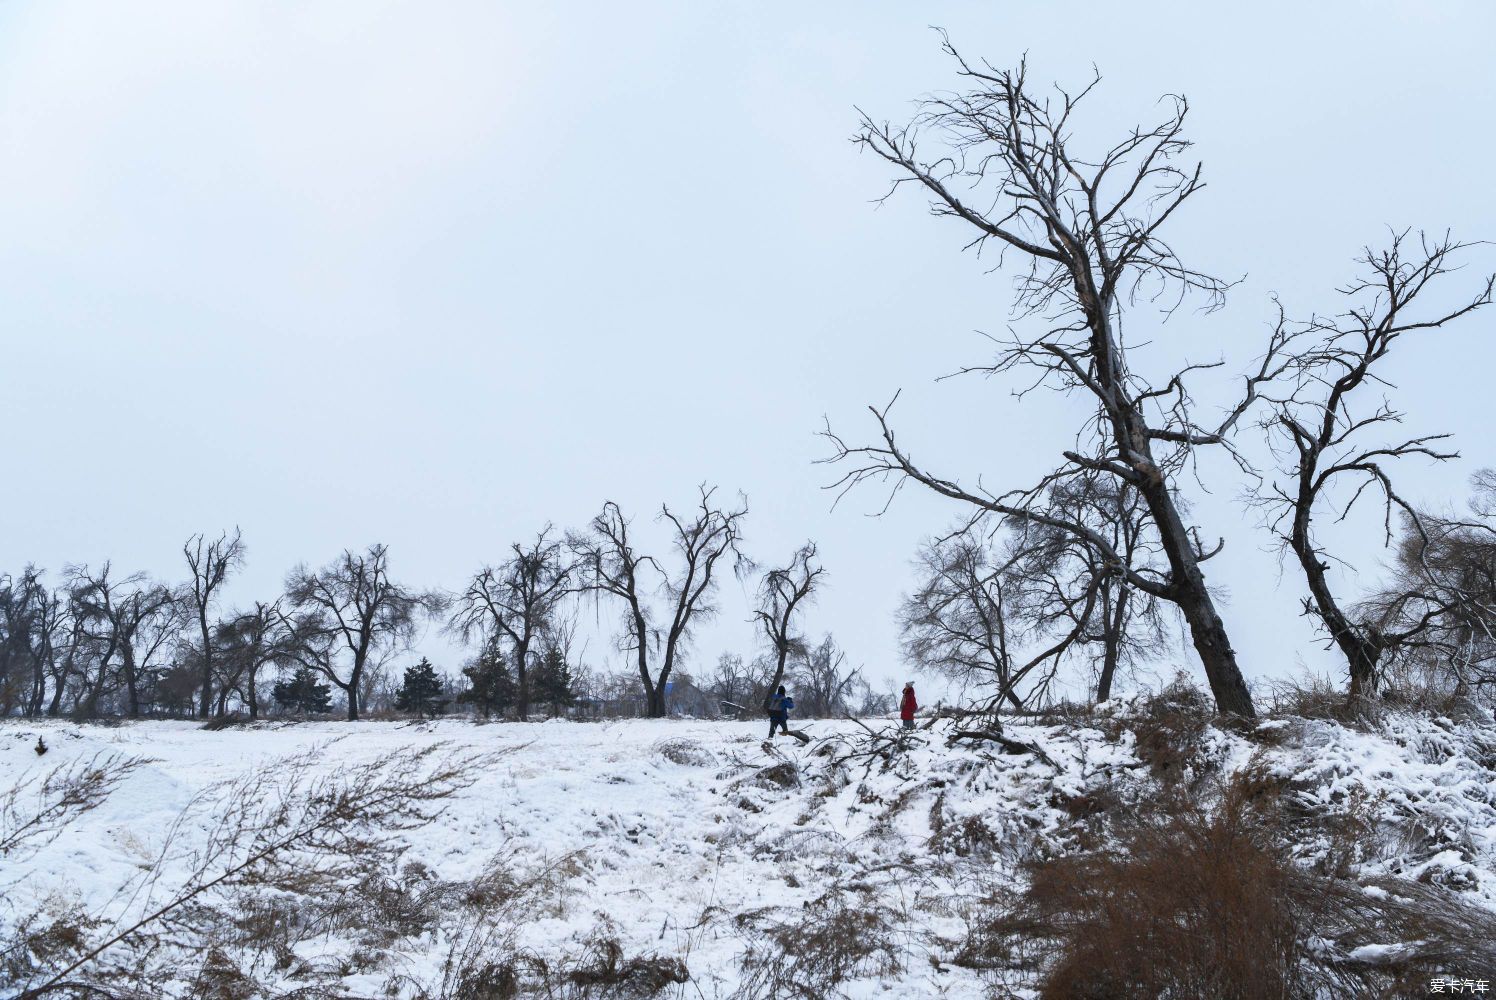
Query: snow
point(681, 842)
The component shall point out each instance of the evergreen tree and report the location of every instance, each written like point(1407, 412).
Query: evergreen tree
point(491, 689)
point(422, 690)
point(303, 694)
point(554, 685)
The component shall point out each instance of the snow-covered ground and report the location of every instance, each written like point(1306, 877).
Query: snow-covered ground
point(693, 840)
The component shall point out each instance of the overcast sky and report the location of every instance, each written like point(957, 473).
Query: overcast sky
point(434, 274)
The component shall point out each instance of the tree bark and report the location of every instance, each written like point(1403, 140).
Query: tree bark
point(130, 682)
point(1362, 652)
point(1188, 591)
point(522, 678)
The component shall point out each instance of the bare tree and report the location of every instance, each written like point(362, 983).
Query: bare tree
point(148, 621)
point(956, 621)
point(736, 684)
point(782, 595)
point(823, 686)
point(1331, 443)
point(608, 564)
point(52, 626)
point(1086, 232)
point(248, 642)
point(517, 600)
point(95, 600)
point(71, 646)
point(210, 563)
point(349, 615)
point(1442, 595)
point(24, 605)
point(1074, 598)
point(1009, 614)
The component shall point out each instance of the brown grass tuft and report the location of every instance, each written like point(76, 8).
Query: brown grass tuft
point(1210, 902)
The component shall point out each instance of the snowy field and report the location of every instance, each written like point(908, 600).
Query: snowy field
point(693, 841)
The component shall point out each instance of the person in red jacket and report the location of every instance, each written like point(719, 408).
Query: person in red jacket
point(908, 706)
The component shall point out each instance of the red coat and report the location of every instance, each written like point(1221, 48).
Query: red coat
point(907, 705)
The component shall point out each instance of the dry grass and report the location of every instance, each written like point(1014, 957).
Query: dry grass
point(1197, 902)
point(606, 971)
point(835, 938)
point(688, 753)
point(1172, 730)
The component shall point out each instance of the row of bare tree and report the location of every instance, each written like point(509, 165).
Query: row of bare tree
point(101, 643)
point(1087, 560)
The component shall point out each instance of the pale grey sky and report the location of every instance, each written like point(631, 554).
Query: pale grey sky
point(434, 273)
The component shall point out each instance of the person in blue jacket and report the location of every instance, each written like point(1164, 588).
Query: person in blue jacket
point(779, 711)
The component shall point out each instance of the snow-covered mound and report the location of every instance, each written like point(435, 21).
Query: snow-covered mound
point(637, 853)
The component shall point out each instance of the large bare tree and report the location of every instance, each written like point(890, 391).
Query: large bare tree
point(518, 601)
point(210, 563)
point(783, 593)
point(1083, 231)
point(609, 564)
point(1336, 446)
point(350, 615)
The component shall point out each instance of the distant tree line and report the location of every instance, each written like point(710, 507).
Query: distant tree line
point(1009, 615)
point(94, 642)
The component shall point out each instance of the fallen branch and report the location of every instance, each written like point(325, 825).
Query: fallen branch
point(1011, 746)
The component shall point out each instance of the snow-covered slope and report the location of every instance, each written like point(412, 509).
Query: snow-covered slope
point(692, 840)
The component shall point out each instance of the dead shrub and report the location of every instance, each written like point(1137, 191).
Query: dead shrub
point(1316, 697)
point(269, 924)
point(220, 978)
point(832, 940)
point(35, 809)
point(782, 775)
point(1196, 903)
point(222, 722)
point(1172, 729)
point(604, 971)
point(687, 753)
point(1194, 911)
point(970, 837)
point(1426, 685)
point(36, 944)
point(488, 980)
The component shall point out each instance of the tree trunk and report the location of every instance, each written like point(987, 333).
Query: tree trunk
point(205, 702)
point(1112, 614)
point(38, 688)
point(352, 690)
point(657, 706)
point(1216, 655)
point(522, 679)
point(130, 685)
point(1361, 652)
point(641, 633)
point(1188, 590)
point(251, 698)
